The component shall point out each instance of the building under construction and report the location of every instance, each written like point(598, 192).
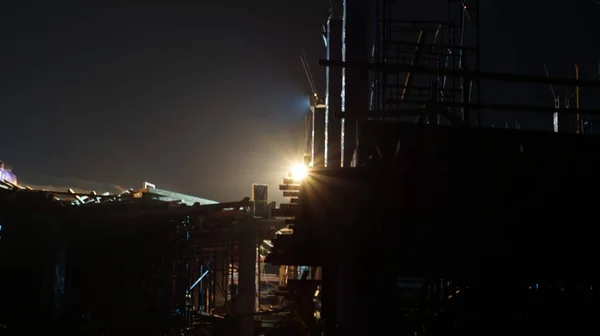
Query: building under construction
point(414, 218)
point(421, 218)
point(145, 262)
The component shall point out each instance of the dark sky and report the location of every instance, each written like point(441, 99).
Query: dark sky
point(519, 36)
point(206, 97)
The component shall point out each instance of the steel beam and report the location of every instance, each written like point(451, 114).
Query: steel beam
point(502, 77)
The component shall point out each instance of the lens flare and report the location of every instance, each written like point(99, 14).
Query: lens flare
point(299, 172)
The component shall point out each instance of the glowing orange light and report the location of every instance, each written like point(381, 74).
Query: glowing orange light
point(299, 172)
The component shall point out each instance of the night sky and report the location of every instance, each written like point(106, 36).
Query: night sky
point(208, 97)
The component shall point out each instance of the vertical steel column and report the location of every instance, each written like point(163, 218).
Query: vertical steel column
point(197, 291)
point(258, 278)
point(202, 293)
point(464, 40)
point(212, 289)
point(333, 99)
point(578, 115)
point(477, 60)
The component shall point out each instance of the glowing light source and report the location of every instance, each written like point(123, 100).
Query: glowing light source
point(299, 171)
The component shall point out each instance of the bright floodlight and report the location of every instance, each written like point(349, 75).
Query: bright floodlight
point(299, 172)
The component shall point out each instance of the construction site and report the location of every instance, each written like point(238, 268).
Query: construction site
point(409, 214)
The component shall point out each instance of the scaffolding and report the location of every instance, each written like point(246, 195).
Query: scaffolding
point(382, 69)
point(175, 262)
point(450, 46)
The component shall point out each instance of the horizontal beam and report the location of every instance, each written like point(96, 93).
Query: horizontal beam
point(293, 193)
point(411, 112)
point(429, 45)
point(507, 107)
point(502, 77)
